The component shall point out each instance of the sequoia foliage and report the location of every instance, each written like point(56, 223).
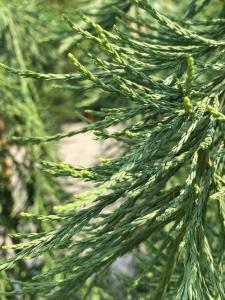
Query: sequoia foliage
point(163, 199)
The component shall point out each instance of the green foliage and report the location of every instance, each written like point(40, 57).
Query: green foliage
point(161, 199)
point(22, 184)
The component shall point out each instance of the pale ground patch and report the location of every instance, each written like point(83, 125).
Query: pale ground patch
point(83, 150)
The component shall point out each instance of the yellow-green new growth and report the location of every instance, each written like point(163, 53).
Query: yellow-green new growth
point(190, 75)
point(216, 114)
point(188, 106)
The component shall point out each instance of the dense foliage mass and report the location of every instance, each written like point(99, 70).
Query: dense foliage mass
point(162, 199)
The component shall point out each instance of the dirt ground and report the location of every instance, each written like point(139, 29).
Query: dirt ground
point(83, 150)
